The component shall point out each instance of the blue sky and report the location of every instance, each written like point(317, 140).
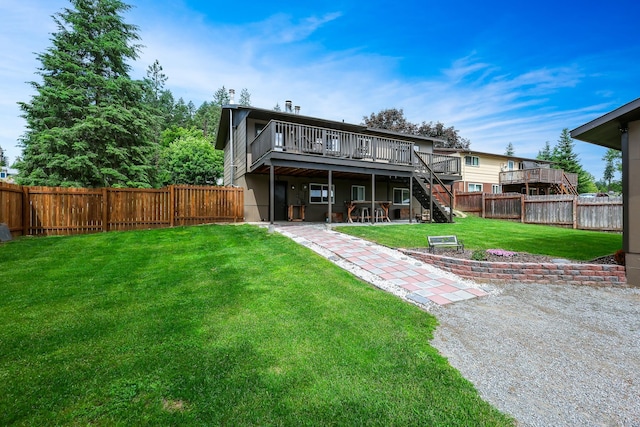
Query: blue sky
point(500, 72)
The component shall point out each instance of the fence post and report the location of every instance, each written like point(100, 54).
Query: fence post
point(26, 212)
point(575, 212)
point(483, 206)
point(522, 209)
point(172, 205)
point(105, 209)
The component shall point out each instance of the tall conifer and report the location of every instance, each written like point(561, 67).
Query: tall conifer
point(86, 124)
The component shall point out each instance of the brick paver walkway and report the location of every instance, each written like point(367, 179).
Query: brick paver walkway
point(412, 279)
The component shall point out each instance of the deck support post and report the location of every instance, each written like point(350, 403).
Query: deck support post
point(330, 194)
point(410, 199)
point(272, 189)
point(373, 198)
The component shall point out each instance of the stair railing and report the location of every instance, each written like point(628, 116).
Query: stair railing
point(432, 175)
point(566, 183)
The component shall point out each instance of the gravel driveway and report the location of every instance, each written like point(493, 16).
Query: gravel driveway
point(549, 355)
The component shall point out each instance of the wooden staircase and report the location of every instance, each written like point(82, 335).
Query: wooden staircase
point(424, 182)
point(565, 187)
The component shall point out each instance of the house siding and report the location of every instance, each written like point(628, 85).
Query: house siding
point(240, 151)
point(257, 196)
point(227, 166)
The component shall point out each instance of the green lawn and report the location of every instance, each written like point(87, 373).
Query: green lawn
point(480, 233)
point(212, 325)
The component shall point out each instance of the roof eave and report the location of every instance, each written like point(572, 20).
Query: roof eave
point(605, 130)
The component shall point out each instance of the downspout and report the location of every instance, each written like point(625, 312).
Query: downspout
point(233, 171)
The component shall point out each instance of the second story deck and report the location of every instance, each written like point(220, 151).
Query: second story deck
point(335, 145)
point(538, 176)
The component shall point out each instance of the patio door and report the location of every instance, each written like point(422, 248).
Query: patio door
point(280, 201)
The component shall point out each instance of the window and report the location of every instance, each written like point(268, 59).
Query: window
point(3, 175)
point(319, 193)
point(401, 196)
point(357, 193)
point(472, 160)
point(474, 187)
point(510, 165)
point(259, 127)
point(495, 189)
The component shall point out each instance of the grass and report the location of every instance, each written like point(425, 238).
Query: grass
point(213, 325)
point(481, 233)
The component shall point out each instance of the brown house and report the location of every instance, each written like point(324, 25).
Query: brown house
point(620, 129)
point(295, 167)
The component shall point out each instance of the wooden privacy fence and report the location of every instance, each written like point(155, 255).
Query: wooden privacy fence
point(60, 211)
point(565, 210)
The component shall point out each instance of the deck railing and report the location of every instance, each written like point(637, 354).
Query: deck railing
point(440, 164)
point(311, 140)
point(539, 175)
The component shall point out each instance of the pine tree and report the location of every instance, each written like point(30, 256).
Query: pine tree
point(545, 153)
point(86, 124)
point(509, 151)
point(221, 97)
point(565, 158)
point(3, 158)
point(245, 97)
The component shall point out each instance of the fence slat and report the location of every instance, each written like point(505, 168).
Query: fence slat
point(53, 210)
point(565, 210)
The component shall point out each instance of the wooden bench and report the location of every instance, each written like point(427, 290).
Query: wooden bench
point(444, 242)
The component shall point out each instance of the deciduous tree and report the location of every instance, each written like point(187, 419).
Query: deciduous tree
point(393, 119)
point(191, 160)
point(613, 166)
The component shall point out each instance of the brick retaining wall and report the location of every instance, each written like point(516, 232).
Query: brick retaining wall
point(509, 272)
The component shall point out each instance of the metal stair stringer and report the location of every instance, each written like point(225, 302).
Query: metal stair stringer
point(423, 195)
point(423, 178)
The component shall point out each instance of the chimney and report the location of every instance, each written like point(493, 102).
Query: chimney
point(232, 94)
point(287, 106)
point(297, 109)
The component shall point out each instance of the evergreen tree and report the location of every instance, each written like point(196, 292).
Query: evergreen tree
point(160, 104)
point(565, 158)
point(545, 153)
point(509, 151)
point(183, 114)
point(221, 97)
point(277, 107)
point(206, 118)
point(86, 124)
point(245, 97)
point(3, 158)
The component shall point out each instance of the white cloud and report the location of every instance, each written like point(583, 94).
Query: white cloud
point(276, 60)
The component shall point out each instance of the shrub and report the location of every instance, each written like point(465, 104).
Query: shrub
point(479, 255)
point(619, 257)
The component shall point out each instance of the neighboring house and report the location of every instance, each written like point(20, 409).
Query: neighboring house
point(499, 173)
point(298, 167)
point(7, 174)
point(620, 129)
